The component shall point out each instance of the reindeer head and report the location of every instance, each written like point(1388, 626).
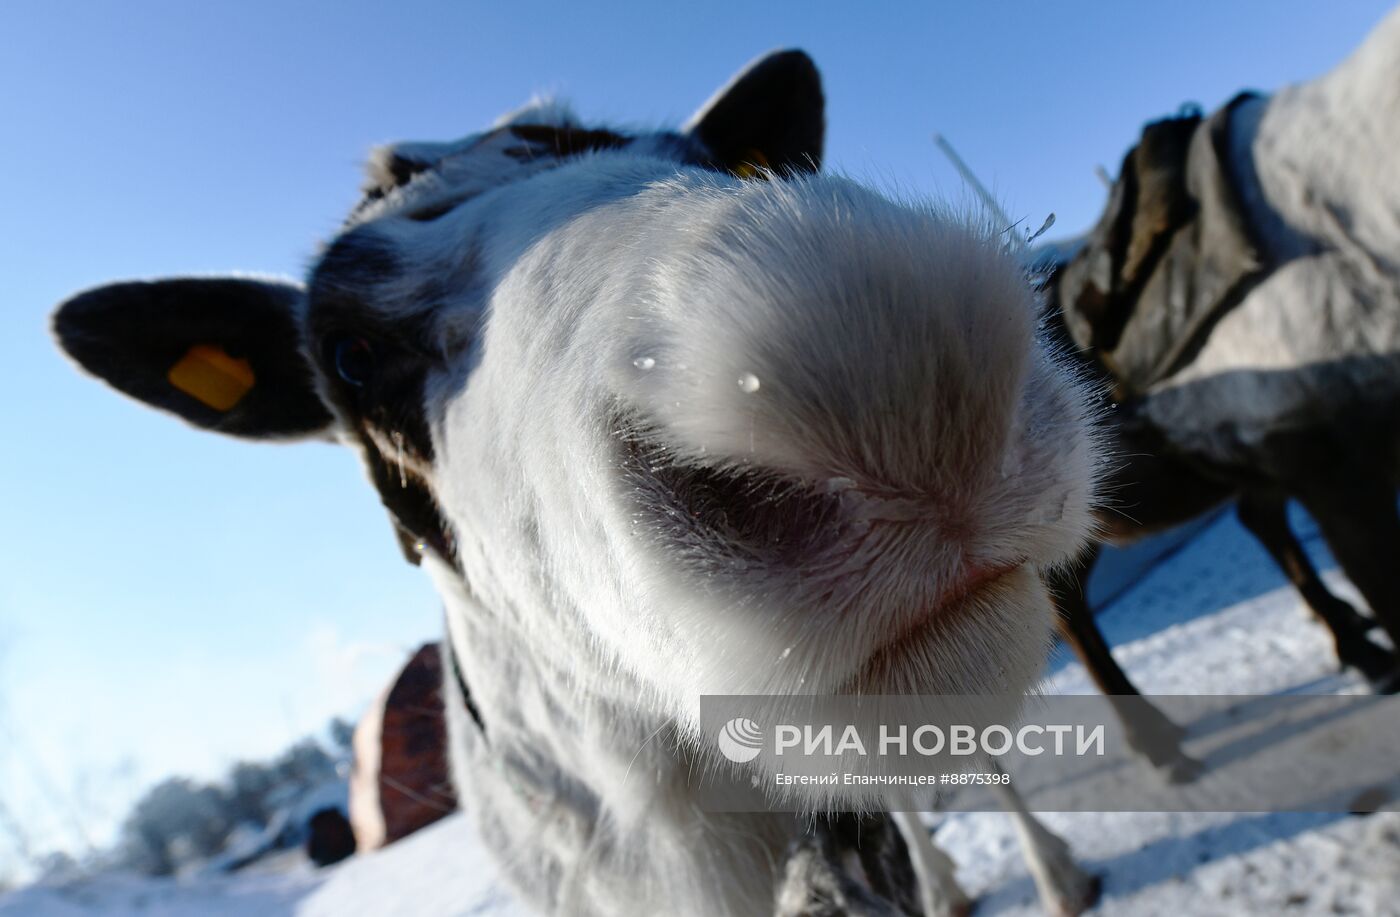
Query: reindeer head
point(667, 406)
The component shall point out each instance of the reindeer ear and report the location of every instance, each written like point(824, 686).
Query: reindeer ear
point(222, 353)
point(772, 115)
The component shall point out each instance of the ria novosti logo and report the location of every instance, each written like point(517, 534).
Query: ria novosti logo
point(740, 740)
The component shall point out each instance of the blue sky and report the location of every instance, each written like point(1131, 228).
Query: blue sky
point(171, 601)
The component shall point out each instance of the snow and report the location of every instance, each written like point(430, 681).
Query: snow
point(439, 871)
point(119, 895)
point(1213, 617)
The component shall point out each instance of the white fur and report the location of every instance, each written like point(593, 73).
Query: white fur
point(691, 435)
point(897, 366)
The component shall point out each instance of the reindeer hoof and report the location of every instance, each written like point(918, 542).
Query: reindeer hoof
point(1169, 762)
point(1065, 890)
point(1093, 890)
point(1378, 666)
point(1156, 738)
point(1385, 683)
point(1181, 769)
point(1085, 896)
point(964, 909)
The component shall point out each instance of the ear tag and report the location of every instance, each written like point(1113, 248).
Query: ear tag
point(209, 375)
point(751, 165)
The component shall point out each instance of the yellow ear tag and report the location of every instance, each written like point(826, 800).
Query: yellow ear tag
point(212, 376)
point(751, 165)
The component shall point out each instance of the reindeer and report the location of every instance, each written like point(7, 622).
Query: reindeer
point(662, 415)
point(1239, 302)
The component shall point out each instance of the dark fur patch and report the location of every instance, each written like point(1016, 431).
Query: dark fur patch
point(357, 260)
point(417, 519)
point(442, 209)
point(563, 142)
point(687, 150)
point(385, 408)
point(541, 140)
point(460, 677)
point(816, 879)
point(402, 169)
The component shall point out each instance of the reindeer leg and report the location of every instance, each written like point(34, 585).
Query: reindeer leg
point(1065, 889)
point(1149, 732)
point(814, 884)
point(940, 895)
point(1266, 517)
point(1357, 515)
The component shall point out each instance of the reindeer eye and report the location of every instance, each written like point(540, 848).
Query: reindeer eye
point(354, 359)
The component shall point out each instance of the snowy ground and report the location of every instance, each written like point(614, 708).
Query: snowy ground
point(1213, 618)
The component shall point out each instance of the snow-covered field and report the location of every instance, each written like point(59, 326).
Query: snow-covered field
point(1213, 618)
